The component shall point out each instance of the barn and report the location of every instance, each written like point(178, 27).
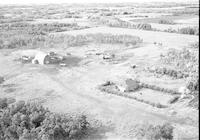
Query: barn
point(41, 58)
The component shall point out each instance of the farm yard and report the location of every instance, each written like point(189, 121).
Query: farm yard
point(99, 71)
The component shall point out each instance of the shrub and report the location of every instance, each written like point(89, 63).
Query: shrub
point(17, 35)
point(158, 132)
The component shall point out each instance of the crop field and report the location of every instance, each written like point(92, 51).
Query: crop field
point(99, 71)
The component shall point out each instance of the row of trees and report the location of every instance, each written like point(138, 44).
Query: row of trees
point(17, 35)
point(100, 38)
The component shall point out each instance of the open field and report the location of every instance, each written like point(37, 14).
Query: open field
point(108, 73)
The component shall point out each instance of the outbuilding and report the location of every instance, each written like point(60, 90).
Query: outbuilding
point(41, 58)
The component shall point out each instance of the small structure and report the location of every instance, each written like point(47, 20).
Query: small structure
point(132, 85)
point(41, 58)
point(108, 56)
point(26, 59)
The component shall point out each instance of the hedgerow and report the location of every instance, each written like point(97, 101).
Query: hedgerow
point(113, 89)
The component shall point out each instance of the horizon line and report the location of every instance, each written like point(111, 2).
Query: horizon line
point(147, 2)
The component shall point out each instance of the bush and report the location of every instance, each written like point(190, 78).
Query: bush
point(32, 121)
point(158, 132)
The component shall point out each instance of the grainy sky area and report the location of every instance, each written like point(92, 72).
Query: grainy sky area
point(83, 1)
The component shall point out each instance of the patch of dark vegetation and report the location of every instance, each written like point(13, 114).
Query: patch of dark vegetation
point(1, 79)
point(158, 132)
point(8, 85)
point(146, 131)
point(144, 26)
point(40, 28)
point(112, 22)
point(185, 30)
point(22, 120)
point(190, 10)
point(189, 30)
point(165, 21)
point(174, 99)
point(193, 84)
point(10, 90)
point(169, 72)
point(16, 35)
